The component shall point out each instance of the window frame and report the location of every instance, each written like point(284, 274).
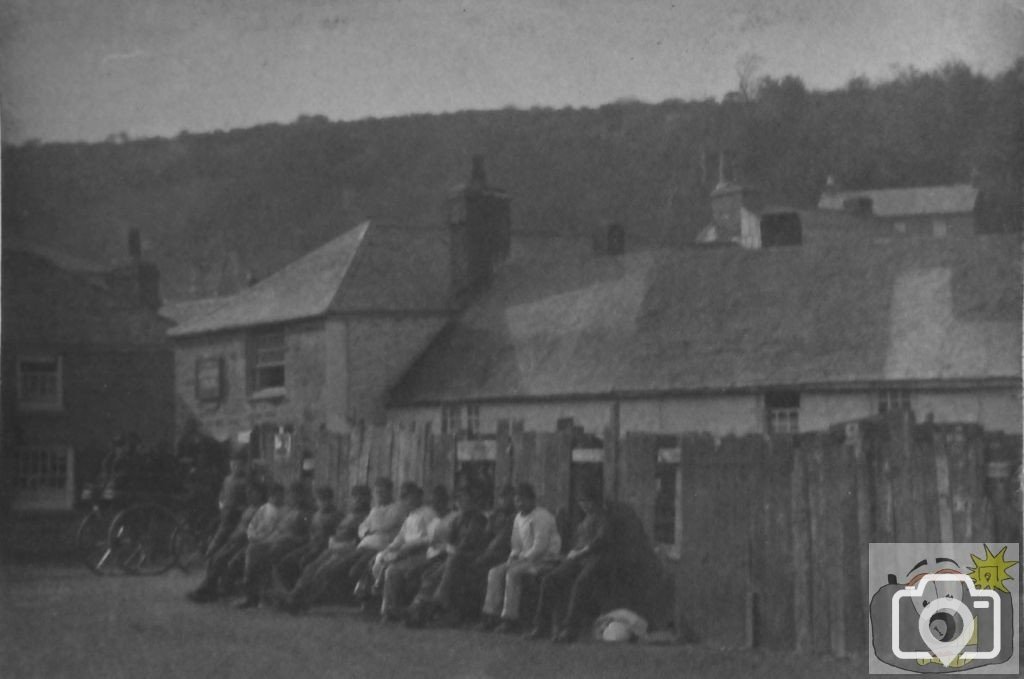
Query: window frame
point(472, 421)
point(779, 413)
point(258, 365)
point(451, 418)
point(57, 404)
point(886, 398)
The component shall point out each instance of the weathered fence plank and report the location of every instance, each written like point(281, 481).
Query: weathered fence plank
point(800, 514)
point(716, 552)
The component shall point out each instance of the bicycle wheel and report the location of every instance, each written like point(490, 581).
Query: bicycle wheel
point(92, 545)
point(142, 539)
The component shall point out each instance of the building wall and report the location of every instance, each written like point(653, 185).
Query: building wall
point(380, 350)
point(995, 409)
point(105, 392)
point(303, 402)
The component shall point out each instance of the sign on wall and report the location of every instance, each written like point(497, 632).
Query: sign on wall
point(208, 379)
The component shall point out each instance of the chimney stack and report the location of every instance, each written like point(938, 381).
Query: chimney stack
point(479, 220)
point(730, 201)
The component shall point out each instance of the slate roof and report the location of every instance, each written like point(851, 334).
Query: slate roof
point(719, 319)
point(923, 200)
point(371, 267)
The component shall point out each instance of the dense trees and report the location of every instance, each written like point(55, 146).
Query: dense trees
point(217, 206)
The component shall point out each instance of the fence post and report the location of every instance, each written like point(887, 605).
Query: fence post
point(862, 478)
point(942, 487)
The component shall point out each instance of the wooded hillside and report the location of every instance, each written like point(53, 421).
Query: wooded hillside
point(216, 207)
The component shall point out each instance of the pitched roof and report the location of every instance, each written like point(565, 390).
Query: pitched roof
point(372, 267)
point(729, 318)
point(922, 200)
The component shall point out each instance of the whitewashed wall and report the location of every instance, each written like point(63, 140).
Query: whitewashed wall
point(994, 409)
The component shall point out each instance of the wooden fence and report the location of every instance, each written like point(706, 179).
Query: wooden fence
point(777, 529)
point(774, 530)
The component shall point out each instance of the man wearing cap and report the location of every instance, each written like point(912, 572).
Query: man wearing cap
point(535, 549)
point(574, 583)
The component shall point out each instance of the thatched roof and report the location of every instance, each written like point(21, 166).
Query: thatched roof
point(836, 312)
point(372, 267)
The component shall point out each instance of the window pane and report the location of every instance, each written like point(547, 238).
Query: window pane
point(270, 377)
point(39, 381)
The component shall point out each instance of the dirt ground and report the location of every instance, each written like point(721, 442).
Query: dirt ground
point(61, 621)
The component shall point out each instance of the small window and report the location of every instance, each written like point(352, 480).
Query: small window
point(451, 419)
point(40, 384)
point(472, 421)
point(900, 227)
point(268, 366)
point(782, 412)
point(893, 400)
point(940, 228)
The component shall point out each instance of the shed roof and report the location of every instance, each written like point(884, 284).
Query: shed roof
point(729, 318)
point(371, 267)
point(922, 200)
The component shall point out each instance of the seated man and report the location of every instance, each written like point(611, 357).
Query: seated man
point(331, 565)
point(407, 553)
point(217, 565)
point(446, 584)
point(499, 532)
point(574, 583)
point(375, 533)
point(535, 549)
point(291, 529)
point(321, 527)
point(232, 498)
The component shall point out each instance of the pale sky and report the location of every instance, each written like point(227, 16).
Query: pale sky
point(84, 69)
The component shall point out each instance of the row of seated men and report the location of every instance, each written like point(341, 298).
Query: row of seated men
point(425, 561)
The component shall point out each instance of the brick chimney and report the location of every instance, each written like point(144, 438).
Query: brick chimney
point(137, 281)
point(479, 220)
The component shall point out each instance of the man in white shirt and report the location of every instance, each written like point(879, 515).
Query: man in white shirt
point(536, 549)
point(403, 562)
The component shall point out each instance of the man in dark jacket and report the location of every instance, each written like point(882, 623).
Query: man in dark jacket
point(448, 584)
point(574, 585)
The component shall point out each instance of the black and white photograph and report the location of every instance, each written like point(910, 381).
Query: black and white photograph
point(494, 339)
